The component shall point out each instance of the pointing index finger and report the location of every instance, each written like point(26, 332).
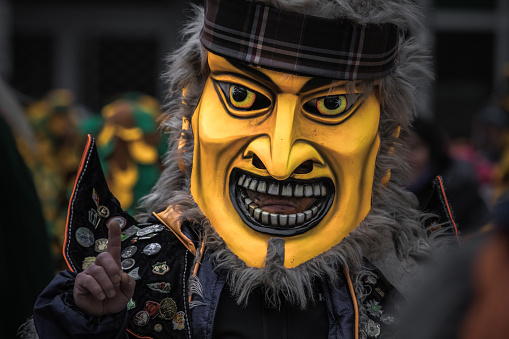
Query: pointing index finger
point(114, 242)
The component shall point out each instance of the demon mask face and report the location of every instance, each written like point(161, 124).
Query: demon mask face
point(283, 147)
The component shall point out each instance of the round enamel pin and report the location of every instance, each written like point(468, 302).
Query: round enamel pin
point(127, 263)
point(103, 211)
point(84, 237)
point(141, 318)
point(128, 252)
point(167, 309)
point(121, 221)
point(158, 328)
point(152, 248)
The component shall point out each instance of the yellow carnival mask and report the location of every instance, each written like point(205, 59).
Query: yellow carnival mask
point(280, 155)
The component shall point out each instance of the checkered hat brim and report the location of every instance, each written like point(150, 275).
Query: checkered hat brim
point(300, 44)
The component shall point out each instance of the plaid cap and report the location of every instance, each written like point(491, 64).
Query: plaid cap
point(301, 44)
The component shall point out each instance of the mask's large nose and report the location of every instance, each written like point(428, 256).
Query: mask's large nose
point(282, 151)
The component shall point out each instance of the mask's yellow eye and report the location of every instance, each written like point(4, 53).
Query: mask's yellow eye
point(241, 97)
point(331, 105)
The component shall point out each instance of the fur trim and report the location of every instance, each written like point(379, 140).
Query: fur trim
point(27, 330)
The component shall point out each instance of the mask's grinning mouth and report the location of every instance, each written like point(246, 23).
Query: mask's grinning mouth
point(321, 190)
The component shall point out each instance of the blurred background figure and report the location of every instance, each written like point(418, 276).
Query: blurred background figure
point(486, 316)
point(55, 120)
point(465, 297)
point(501, 173)
point(27, 261)
point(429, 157)
point(130, 145)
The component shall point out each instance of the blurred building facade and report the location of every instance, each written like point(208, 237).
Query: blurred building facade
point(95, 49)
point(470, 39)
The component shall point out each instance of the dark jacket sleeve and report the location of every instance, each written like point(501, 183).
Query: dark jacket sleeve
point(56, 316)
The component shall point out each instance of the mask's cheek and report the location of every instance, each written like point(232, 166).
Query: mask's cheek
point(218, 143)
point(350, 150)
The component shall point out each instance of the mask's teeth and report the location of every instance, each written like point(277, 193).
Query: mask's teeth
point(283, 219)
point(273, 188)
point(274, 219)
point(247, 182)
point(257, 214)
point(323, 190)
point(301, 217)
point(265, 218)
point(292, 219)
point(316, 190)
point(252, 206)
point(286, 191)
point(299, 190)
point(253, 185)
point(308, 215)
point(308, 190)
point(262, 187)
point(241, 180)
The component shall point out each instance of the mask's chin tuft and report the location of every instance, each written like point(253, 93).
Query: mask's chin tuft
point(244, 185)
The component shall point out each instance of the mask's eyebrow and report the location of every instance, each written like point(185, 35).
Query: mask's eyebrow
point(251, 71)
point(312, 84)
point(315, 83)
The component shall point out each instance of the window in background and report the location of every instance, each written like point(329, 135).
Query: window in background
point(464, 78)
point(114, 66)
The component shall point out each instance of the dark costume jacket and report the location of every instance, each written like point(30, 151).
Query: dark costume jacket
point(160, 255)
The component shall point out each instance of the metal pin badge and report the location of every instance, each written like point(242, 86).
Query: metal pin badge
point(150, 229)
point(134, 273)
point(163, 287)
point(152, 248)
point(126, 234)
point(103, 211)
point(127, 263)
point(141, 318)
point(101, 245)
point(121, 221)
point(160, 268)
point(128, 252)
point(167, 309)
point(84, 237)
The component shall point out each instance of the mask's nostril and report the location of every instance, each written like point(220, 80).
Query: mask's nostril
point(304, 168)
point(257, 162)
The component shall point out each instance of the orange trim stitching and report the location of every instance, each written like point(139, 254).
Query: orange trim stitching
point(80, 168)
point(448, 208)
point(354, 299)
